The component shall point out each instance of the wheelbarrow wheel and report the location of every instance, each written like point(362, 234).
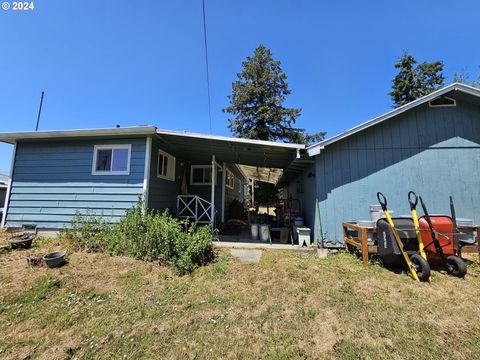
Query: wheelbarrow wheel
point(456, 266)
point(421, 267)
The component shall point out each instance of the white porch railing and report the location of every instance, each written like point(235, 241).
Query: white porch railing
point(193, 207)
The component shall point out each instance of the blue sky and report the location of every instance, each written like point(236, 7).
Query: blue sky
point(103, 63)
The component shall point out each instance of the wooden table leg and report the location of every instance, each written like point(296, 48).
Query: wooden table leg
point(364, 247)
point(345, 234)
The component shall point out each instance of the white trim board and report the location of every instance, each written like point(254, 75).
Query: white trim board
point(229, 139)
point(53, 134)
point(224, 174)
point(146, 174)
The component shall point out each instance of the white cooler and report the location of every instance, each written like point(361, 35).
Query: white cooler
point(303, 235)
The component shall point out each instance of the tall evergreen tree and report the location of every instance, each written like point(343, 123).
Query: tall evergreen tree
point(257, 102)
point(415, 80)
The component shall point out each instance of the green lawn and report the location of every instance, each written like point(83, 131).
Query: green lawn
point(288, 306)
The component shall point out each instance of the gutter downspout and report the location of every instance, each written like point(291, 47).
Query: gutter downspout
point(9, 190)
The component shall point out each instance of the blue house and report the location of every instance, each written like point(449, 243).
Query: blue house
point(56, 174)
point(430, 146)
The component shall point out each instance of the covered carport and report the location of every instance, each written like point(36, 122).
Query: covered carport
point(258, 160)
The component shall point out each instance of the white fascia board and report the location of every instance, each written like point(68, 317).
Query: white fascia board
point(230, 139)
point(32, 135)
point(316, 150)
point(452, 87)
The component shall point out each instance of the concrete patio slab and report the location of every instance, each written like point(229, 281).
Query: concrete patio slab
point(246, 256)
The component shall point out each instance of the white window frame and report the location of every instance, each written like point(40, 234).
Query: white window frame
point(209, 167)
point(111, 147)
point(442, 105)
point(171, 158)
point(232, 177)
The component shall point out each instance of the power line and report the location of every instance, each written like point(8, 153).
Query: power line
point(206, 64)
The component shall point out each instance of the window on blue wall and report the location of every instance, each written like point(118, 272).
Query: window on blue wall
point(165, 166)
point(201, 175)
point(111, 159)
point(229, 179)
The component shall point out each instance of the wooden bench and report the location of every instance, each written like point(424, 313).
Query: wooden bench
point(360, 241)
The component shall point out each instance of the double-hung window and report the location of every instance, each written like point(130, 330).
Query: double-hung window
point(229, 179)
point(201, 175)
point(166, 166)
point(111, 159)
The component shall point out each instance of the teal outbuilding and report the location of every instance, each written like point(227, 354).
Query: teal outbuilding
point(430, 146)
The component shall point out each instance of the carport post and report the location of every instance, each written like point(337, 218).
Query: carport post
point(224, 177)
point(212, 208)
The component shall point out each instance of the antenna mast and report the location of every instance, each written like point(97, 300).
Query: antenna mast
point(39, 111)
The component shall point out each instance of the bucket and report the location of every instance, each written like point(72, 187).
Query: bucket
point(264, 233)
point(254, 231)
point(298, 221)
point(376, 212)
point(367, 224)
point(466, 237)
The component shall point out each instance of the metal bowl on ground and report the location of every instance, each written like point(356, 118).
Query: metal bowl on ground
point(55, 259)
point(21, 242)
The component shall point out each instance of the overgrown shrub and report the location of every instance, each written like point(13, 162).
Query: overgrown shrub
point(146, 235)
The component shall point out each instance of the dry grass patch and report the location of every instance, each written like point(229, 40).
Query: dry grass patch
point(287, 306)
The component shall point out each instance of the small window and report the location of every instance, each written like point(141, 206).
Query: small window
point(229, 179)
point(111, 160)
point(166, 166)
point(442, 102)
point(201, 175)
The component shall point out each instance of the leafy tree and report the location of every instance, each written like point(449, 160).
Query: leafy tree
point(257, 102)
point(415, 80)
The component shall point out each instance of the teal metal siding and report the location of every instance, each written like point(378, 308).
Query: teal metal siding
point(433, 151)
point(52, 181)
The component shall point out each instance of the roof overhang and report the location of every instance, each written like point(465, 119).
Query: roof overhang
point(257, 159)
point(317, 148)
point(267, 158)
point(11, 138)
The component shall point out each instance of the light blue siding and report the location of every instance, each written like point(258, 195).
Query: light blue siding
point(52, 181)
point(432, 151)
